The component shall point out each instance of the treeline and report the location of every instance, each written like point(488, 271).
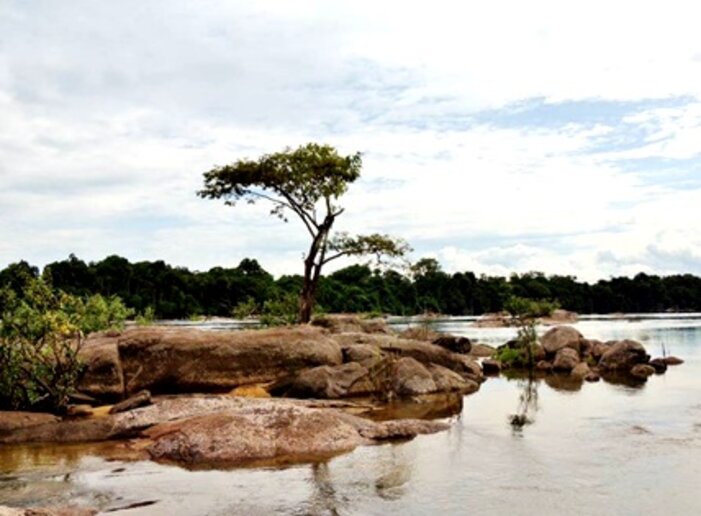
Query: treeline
point(176, 292)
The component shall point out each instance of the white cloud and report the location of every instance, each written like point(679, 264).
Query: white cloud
point(111, 111)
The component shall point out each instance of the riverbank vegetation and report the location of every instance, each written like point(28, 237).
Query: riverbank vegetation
point(177, 292)
point(41, 333)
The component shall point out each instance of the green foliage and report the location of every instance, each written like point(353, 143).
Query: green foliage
point(522, 308)
point(245, 309)
point(147, 317)
point(307, 182)
point(280, 312)
point(41, 332)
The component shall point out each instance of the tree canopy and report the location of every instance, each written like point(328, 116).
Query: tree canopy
point(307, 181)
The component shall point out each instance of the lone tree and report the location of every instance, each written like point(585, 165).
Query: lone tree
point(306, 181)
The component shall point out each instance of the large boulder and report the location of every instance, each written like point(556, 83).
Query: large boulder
point(453, 343)
point(561, 337)
point(566, 359)
point(351, 379)
point(103, 377)
point(351, 323)
point(13, 421)
point(423, 352)
point(623, 355)
point(447, 380)
point(273, 432)
point(411, 377)
point(183, 360)
point(482, 350)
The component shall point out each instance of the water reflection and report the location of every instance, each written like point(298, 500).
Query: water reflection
point(528, 402)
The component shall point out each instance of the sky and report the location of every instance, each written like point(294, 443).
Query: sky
point(497, 137)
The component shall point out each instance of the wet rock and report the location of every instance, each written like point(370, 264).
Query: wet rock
point(411, 377)
point(252, 434)
point(447, 380)
point(566, 359)
point(597, 348)
point(671, 361)
point(179, 360)
point(454, 344)
point(544, 365)
point(623, 355)
point(642, 371)
point(561, 337)
point(592, 377)
point(482, 350)
point(581, 371)
point(659, 364)
point(340, 381)
point(140, 399)
point(491, 367)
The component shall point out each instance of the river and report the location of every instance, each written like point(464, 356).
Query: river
point(604, 449)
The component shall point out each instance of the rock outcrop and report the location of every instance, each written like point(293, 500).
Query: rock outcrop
point(623, 355)
point(561, 337)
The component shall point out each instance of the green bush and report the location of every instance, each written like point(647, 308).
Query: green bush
point(41, 332)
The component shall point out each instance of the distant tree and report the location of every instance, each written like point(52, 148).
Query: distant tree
point(307, 182)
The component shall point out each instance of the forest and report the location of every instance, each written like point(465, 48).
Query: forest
point(177, 292)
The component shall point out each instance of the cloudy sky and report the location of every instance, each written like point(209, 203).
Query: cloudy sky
point(563, 137)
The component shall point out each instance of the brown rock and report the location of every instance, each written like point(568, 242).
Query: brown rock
point(251, 434)
point(659, 364)
point(139, 399)
point(447, 380)
point(544, 365)
point(79, 410)
point(560, 317)
point(361, 353)
point(566, 359)
point(411, 377)
point(423, 352)
point(642, 371)
point(340, 381)
point(561, 337)
point(103, 377)
point(491, 367)
point(673, 361)
point(47, 511)
point(185, 360)
point(597, 348)
point(454, 344)
point(592, 377)
point(494, 320)
point(482, 350)
point(351, 323)
point(623, 355)
point(15, 420)
point(581, 370)
point(424, 333)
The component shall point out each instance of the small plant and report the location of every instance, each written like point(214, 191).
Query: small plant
point(245, 309)
point(147, 317)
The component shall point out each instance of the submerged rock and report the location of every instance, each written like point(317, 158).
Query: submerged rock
point(642, 371)
point(671, 361)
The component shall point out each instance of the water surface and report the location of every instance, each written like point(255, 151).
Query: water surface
point(603, 449)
